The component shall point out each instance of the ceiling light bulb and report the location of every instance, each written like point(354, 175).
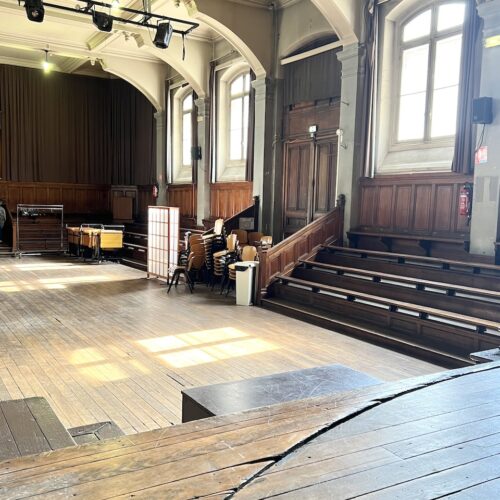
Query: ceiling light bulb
point(115, 5)
point(46, 66)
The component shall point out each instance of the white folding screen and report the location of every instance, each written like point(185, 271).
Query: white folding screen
point(163, 241)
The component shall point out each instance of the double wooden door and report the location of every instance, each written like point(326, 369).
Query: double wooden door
point(310, 180)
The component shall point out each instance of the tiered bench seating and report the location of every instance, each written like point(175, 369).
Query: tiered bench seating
point(436, 435)
point(427, 244)
point(438, 309)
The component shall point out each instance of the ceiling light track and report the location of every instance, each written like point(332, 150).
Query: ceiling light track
point(37, 7)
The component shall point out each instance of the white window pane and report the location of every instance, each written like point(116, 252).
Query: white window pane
point(237, 86)
point(236, 113)
point(451, 15)
point(444, 112)
point(415, 65)
point(418, 27)
point(235, 140)
point(186, 139)
point(246, 104)
point(411, 124)
point(247, 83)
point(187, 104)
point(448, 54)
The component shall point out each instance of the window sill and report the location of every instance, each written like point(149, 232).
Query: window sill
point(431, 159)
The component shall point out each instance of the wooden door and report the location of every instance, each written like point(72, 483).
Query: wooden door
point(309, 182)
point(297, 185)
point(325, 176)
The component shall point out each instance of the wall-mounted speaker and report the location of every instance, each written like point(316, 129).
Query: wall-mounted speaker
point(482, 110)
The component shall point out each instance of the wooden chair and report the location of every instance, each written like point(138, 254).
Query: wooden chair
point(242, 236)
point(219, 257)
point(195, 263)
point(254, 238)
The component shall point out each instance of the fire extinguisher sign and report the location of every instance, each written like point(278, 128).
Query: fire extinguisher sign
point(482, 155)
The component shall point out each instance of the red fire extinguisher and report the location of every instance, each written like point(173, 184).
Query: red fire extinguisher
point(465, 201)
point(156, 190)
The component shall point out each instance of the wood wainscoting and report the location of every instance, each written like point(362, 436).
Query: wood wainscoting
point(415, 204)
point(76, 198)
point(184, 197)
point(229, 198)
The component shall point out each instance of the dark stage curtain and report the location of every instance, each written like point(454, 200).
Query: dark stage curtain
point(133, 136)
point(463, 160)
point(69, 128)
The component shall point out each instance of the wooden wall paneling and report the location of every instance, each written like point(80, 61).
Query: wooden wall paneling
point(422, 210)
point(229, 198)
point(369, 201)
point(419, 204)
point(144, 200)
point(384, 213)
point(402, 207)
point(443, 208)
point(76, 198)
point(183, 196)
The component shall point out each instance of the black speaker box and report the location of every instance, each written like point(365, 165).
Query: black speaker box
point(482, 110)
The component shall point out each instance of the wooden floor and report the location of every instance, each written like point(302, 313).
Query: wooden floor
point(431, 437)
point(100, 342)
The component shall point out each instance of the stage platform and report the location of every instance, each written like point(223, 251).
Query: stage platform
point(427, 437)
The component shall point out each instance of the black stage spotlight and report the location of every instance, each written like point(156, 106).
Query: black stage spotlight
point(34, 10)
point(103, 21)
point(163, 35)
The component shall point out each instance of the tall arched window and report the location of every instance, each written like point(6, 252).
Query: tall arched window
point(239, 99)
point(187, 130)
point(430, 56)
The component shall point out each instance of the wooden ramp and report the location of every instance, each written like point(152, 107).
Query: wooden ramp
point(421, 438)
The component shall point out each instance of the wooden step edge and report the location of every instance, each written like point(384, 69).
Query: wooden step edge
point(133, 262)
point(406, 279)
point(377, 334)
point(471, 320)
point(423, 258)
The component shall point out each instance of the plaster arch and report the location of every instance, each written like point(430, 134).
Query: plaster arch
point(343, 16)
point(249, 29)
point(147, 77)
point(304, 41)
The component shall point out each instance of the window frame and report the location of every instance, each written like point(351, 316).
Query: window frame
point(181, 173)
point(183, 114)
point(431, 39)
point(229, 100)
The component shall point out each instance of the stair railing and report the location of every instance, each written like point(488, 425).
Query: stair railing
point(283, 257)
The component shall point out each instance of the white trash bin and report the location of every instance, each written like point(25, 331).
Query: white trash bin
point(246, 273)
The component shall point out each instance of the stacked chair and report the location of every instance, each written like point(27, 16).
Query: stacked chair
point(222, 258)
point(193, 266)
point(248, 253)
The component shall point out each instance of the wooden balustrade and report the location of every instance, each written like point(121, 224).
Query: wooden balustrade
point(283, 257)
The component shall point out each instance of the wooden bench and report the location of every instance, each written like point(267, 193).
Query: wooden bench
point(30, 426)
point(425, 242)
point(231, 397)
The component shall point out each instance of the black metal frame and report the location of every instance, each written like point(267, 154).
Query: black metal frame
point(145, 22)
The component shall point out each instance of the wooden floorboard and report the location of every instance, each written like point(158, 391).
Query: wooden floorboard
point(242, 455)
point(100, 342)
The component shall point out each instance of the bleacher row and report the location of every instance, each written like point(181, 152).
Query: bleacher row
point(438, 309)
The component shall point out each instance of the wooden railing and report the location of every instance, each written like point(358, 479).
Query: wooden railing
point(283, 257)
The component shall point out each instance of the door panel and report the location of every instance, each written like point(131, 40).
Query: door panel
point(325, 177)
point(297, 181)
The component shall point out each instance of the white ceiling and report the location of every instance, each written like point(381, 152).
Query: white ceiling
point(72, 39)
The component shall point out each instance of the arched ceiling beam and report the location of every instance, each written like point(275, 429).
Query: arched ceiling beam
point(248, 28)
point(344, 17)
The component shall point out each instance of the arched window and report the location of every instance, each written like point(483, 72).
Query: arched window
point(430, 55)
point(239, 99)
point(187, 130)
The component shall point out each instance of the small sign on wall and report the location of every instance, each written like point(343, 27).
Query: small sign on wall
point(247, 223)
point(482, 155)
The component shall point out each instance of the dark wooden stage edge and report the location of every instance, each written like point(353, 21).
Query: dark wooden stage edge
point(433, 435)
